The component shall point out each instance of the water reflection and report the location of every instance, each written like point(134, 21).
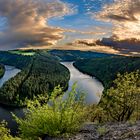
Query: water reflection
point(85, 83)
point(10, 72)
point(5, 112)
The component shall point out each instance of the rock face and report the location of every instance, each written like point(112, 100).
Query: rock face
point(121, 131)
point(117, 131)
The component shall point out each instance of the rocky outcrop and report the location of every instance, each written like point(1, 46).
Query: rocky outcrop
point(120, 131)
point(110, 131)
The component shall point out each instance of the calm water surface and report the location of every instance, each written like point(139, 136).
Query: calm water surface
point(10, 72)
point(85, 83)
point(5, 112)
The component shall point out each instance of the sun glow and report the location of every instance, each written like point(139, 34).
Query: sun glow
point(128, 29)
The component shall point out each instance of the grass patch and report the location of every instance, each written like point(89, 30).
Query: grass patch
point(22, 52)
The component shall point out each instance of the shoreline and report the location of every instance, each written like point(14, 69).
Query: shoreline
point(3, 70)
point(93, 76)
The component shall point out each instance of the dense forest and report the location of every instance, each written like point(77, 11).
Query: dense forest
point(65, 118)
point(73, 55)
point(18, 60)
point(40, 76)
point(2, 70)
point(106, 69)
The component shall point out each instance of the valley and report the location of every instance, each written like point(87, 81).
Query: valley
point(41, 72)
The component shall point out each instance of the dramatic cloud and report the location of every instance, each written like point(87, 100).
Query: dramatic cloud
point(125, 16)
point(110, 45)
point(25, 22)
point(127, 46)
point(88, 45)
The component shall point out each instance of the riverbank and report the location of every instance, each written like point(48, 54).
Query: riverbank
point(85, 72)
point(109, 131)
point(10, 71)
point(40, 77)
point(2, 70)
point(106, 69)
point(91, 86)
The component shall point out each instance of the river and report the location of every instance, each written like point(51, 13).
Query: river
point(85, 83)
point(5, 112)
point(10, 72)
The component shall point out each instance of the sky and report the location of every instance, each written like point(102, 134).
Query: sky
point(81, 20)
point(33, 24)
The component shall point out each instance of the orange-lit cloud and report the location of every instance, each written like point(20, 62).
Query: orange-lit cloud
point(109, 45)
point(26, 22)
point(82, 45)
point(125, 16)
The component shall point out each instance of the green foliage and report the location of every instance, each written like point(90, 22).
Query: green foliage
point(106, 69)
point(17, 60)
point(2, 70)
point(125, 96)
point(10, 91)
point(102, 130)
point(121, 102)
point(40, 77)
point(57, 118)
point(5, 133)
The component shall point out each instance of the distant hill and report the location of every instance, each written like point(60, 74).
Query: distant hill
point(73, 55)
point(18, 60)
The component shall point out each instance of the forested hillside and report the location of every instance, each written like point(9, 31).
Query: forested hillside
point(40, 77)
point(2, 70)
point(72, 55)
point(18, 60)
point(106, 69)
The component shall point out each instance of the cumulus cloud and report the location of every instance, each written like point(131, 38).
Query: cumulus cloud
point(110, 45)
point(26, 22)
point(125, 16)
point(126, 46)
point(88, 45)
